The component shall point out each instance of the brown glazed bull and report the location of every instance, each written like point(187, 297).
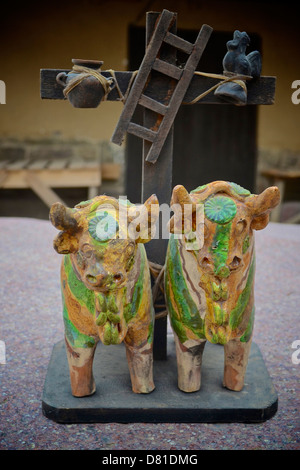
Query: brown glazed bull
point(210, 289)
point(106, 287)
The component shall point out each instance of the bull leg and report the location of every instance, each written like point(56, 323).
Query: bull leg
point(236, 355)
point(81, 370)
point(189, 361)
point(140, 363)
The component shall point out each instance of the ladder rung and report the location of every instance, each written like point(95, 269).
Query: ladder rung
point(142, 132)
point(179, 43)
point(153, 105)
point(179, 92)
point(165, 21)
point(167, 69)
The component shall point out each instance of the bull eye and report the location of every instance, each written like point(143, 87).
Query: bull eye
point(241, 226)
point(130, 254)
point(130, 249)
point(86, 250)
point(206, 231)
point(246, 244)
point(80, 260)
point(103, 227)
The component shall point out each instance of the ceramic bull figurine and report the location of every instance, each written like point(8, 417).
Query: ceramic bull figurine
point(106, 287)
point(209, 291)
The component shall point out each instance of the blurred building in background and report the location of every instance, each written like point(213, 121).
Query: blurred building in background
point(211, 142)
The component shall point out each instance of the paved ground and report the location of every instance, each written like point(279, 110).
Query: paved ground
point(31, 323)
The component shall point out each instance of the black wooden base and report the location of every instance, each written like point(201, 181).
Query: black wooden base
point(115, 402)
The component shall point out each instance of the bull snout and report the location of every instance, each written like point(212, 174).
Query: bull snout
point(104, 280)
point(96, 281)
point(222, 270)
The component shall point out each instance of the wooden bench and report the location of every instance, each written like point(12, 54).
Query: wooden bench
point(279, 178)
point(41, 175)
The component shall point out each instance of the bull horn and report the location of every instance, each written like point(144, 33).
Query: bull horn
point(152, 206)
point(181, 196)
point(63, 217)
point(264, 202)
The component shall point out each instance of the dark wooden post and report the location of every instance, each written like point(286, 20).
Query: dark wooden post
point(157, 178)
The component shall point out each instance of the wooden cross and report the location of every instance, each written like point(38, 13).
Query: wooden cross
point(161, 96)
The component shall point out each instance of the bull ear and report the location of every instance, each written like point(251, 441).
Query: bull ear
point(152, 207)
point(65, 243)
point(63, 217)
point(261, 206)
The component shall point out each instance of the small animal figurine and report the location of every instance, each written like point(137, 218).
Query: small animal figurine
point(209, 290)
point(106, 287)
point(238, 63)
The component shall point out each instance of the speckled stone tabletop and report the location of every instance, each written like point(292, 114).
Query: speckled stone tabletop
point(31, 323)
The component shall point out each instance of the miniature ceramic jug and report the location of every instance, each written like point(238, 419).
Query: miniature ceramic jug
point(84, 86)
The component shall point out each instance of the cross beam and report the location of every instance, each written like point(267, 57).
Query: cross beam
point(261, 91)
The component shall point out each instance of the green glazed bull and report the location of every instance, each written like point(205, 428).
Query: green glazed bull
point(106, 286)
point(209, 289)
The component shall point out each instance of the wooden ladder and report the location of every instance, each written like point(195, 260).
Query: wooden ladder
point(183, 76)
